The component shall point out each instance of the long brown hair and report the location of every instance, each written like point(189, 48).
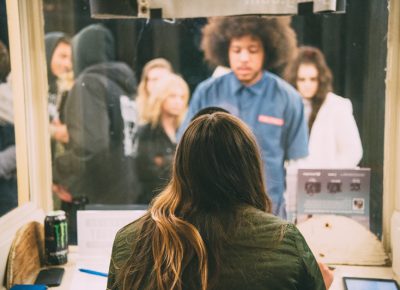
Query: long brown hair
point(217, 169)
point(313, 56)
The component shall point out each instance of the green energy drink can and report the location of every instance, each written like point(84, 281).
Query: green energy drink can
point(56, 238)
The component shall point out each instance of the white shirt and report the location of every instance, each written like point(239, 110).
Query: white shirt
point(334, 138)
point(6, 102)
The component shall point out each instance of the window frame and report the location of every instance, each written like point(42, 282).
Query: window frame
point(28, 62)
point(29, 87)
point(27, 53)
point(391, 161)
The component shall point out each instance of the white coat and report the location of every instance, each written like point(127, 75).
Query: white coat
point(6, 102)
point(334, 138)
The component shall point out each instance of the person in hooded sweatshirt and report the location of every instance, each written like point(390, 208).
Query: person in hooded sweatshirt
point(59, 62)
point(94, 164)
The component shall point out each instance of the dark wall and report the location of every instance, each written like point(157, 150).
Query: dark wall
point(138, 41)
point(3, 23)
point(354, 44)
point(373, 105)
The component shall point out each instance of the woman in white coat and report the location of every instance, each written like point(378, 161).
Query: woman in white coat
point(334, 138)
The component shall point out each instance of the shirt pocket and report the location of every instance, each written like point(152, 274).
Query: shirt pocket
point(269, 138)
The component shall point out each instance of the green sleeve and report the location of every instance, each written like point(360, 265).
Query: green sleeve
point(310, 274)
point(111, 282)
point(123, 246)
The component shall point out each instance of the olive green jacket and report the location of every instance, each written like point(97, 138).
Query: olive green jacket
point(264, 253)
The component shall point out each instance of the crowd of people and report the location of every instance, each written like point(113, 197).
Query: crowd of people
point(299, 121)
point(235, 136)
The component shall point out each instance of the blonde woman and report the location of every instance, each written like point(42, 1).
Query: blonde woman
point(166, 107)
point(153, 71)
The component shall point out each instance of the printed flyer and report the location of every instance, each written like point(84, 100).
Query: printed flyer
point(333, 191)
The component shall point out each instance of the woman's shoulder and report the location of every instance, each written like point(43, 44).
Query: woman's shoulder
point(124, 244)
point(130, 229)
point(264, 226)
point(255, 215)
point(259, 216)
point(125, 240)
point(337, 101)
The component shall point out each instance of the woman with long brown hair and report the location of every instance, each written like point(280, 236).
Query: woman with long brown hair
point(211, 228)
point(334, 139)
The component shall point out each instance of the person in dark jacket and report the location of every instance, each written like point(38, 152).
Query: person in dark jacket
point(157, 143)
point(94, 164)
point(8, 178)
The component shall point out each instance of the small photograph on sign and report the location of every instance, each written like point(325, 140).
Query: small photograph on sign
point(312, 187)
point(358, 204)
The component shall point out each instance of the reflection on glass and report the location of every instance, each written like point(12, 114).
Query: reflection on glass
point(334, 141)
point(94, 164)
point(166, 107)
point(8, 178)
point(95, 144)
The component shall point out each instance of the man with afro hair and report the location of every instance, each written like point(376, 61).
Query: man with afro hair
point(252, 47)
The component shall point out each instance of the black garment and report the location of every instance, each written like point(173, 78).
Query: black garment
point(155, 154)
point(71, 209)
point(94, 164)
point(8, 184)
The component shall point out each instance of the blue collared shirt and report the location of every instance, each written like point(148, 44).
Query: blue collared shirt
point(272, 109)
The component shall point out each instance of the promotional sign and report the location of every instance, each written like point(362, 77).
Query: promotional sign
point(334, 191)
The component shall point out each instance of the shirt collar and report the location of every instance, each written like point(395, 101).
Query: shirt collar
point(255, 89)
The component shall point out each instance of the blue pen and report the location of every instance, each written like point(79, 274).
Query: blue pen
point(88, 271)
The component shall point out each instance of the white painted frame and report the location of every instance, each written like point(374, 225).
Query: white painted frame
point(29, 85)
point(25, 23)
point(391, 181)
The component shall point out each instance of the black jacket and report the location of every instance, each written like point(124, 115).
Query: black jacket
point(8, 182)
point(155, 154)
point(94, 164)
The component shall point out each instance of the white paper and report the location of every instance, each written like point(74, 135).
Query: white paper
point(97, 229)
point(96, 233)
point(85, 281)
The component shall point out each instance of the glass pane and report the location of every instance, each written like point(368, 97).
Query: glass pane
point(8, 177)
point(114, 136)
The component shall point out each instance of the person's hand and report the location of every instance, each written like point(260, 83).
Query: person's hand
point(62, 193)
point(59, 131)
point(327, 274)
